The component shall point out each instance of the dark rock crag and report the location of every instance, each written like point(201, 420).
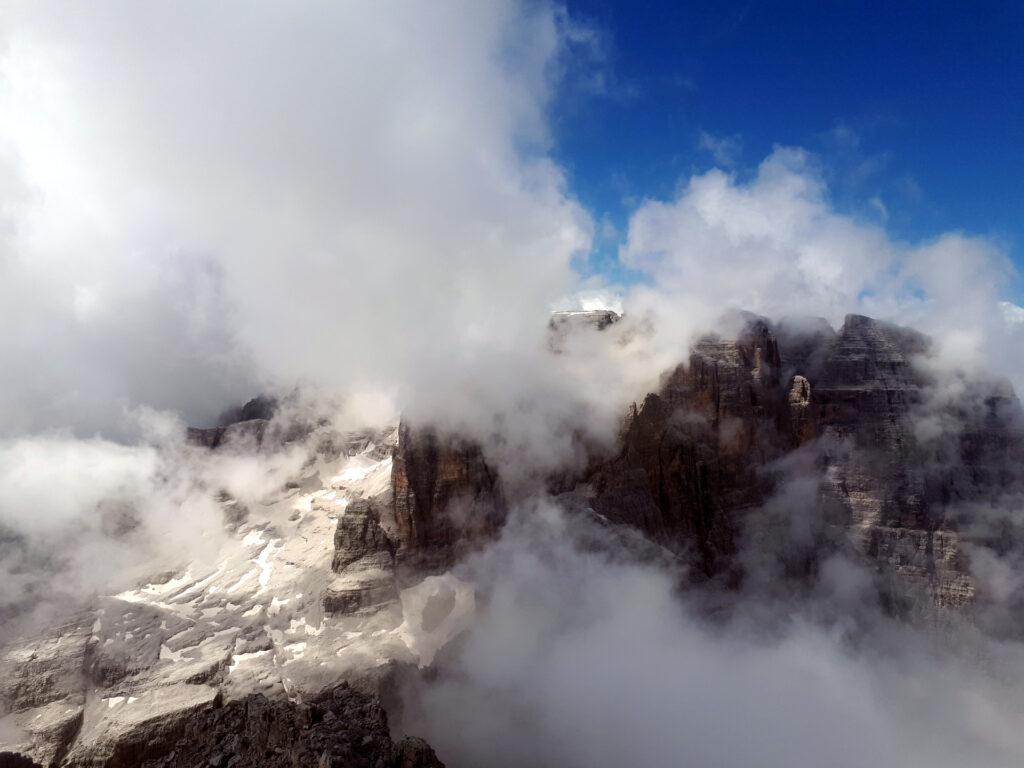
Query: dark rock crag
point(364, 559)
point(341, 728)
point(246, 424)
point(690, 456)
point(699, 459)
point(68, 698)
point(446, 500)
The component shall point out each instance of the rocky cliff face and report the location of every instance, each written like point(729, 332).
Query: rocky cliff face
point(339, 727)
point(364, 559)
point(700, 459)
point(446, 500)
point(246, 424)
point(863, 401)
point(691, 455)
point(563, 324)
point(345, 575)
point(697, 459)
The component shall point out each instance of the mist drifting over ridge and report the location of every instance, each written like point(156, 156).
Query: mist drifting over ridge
point(359, 209)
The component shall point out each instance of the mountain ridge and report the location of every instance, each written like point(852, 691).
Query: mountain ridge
point(353, 563)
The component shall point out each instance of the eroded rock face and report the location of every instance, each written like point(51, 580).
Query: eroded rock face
point(701, 459)
point(801, 412)
point(364, 559)
point(256, 424)
point(691, 454)
point(340, 727)
point(863, 400)
point(261, 407)
point(697, 458)
point(446, 500)
point(245, 433)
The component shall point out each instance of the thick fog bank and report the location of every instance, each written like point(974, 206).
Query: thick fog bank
point(582, 658)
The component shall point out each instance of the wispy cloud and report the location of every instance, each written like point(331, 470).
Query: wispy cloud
point(726, 150)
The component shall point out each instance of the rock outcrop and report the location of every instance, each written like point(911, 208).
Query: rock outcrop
point(864, 399)
point(697, 458)
point(691, 455)
point(570, 320)
point(340, 728)
point(42, 694)
point(446, 500)
point(245, 425)
point(364, 561)
point(701, 458)
point(244, 433)
point(564, 324)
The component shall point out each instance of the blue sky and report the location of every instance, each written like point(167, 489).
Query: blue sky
point(915, 109)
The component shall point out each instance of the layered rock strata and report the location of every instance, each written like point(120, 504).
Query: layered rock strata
point(701, 458)
point(364, 561)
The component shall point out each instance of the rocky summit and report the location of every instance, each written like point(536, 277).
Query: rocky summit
point(698, 460)
point(289, 647)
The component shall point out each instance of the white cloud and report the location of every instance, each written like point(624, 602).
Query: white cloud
point(1013, 313)
point(588, 299)
point(352, 195)
point(726, 150)
point(197, 198)
point(597, 662)
point(775, 245)
point(81, 516)
point(203, 200)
